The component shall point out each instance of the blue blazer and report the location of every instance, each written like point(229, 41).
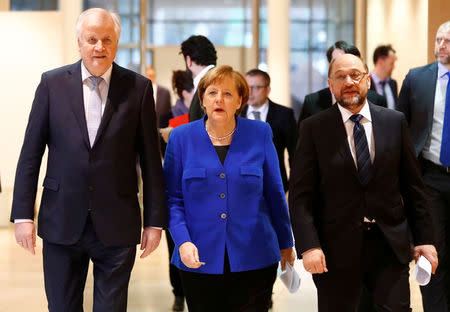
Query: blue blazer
point(239, 205)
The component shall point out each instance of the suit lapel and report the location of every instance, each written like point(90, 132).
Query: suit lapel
point(114, 93)
point(429, 87)
point(270, 114)
point(77, 99)
point(378, 136)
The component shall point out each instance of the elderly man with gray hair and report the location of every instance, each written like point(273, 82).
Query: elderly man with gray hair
point(96, 118)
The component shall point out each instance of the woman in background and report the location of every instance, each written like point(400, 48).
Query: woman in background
point(183, 86)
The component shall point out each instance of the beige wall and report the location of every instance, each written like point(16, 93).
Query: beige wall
point(34, 46)
point(402, 23)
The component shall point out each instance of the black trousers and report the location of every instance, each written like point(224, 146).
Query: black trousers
point(248, 291)
point(436, 295)
point(66, 267)
point(380, 272)
point(175, 279)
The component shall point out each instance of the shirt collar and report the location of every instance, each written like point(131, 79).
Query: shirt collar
point(377, 79)
point(200, 75)
point(365, 112)
point(85, 74)
point(442, 70)
point(263, 108)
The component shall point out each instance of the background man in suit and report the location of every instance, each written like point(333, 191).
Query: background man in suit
point(381, 82)
point(425, 101)
point(280, 118)
point(163, 104)
point(96, 118)
point(323, 99)
point(200, 56)
point(356, 196)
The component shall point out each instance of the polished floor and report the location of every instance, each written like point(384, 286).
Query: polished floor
point(22, 289)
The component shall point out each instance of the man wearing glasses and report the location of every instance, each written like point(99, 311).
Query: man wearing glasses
point(280, 118)
point(356, 195)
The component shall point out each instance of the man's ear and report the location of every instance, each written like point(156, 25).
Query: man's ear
point(188, 61)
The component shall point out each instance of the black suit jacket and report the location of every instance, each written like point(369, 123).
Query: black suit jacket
point(328, 203)
point(416, 101)
point(392, 84)
point(284, 128)
point(321, 100)
point(102, 180)
point(163, 109)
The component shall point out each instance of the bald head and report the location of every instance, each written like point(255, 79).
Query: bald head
point(442, 44)
point(346, 59)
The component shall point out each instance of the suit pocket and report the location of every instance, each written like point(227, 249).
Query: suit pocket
point(252, 180)
point(51, 184)
point(194, 173)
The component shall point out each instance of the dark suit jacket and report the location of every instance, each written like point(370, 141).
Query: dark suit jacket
point(80, 180)
point(416, 101)
point(328, 203)
point(284, 127)
point(321, 100)
point(195, 110)
point(392, 84)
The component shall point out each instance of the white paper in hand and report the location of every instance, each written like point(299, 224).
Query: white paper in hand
point(423, 271)
point(290, 278)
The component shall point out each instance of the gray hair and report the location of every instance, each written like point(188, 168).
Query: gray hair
point(84, 14)
point(444, 27)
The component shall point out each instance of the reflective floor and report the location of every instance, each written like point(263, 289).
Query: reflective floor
point(22, 287)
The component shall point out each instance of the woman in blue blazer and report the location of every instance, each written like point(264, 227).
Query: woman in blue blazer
point(228, 214)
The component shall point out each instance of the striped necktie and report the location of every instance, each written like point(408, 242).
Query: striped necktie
point(362, 150)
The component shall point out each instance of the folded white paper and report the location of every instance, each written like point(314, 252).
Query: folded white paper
point(423, 271)
point(290, 278)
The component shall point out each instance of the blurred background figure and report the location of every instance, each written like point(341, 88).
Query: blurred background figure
point(384, 58)
point(163, 104)
point(280, 118)
point(183, 87)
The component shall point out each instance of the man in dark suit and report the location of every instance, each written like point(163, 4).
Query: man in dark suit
point(280, 118)
point(356, 196)
point(323, 99)
point(200, 56)
point(163, 104)
point(96, 118)
point(425, 101)
point(381, 82)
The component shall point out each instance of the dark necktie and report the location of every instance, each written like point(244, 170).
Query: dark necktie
point(257, 115)
point(362, 150)
point(382, 84)
point(445, 144)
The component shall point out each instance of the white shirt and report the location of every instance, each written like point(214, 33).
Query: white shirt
point(87, 87)
point(200, 76)
point(386, 91)
point(432, 148)
point(366, 121)
point(263, 110)
point(87, 91)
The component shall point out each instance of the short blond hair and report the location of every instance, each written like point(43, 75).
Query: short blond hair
point(218, 74)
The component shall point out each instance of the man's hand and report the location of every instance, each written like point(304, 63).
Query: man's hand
point(189, 255)
point(150, 240)
point(429, 252)
point(165, 133)
point(26, 235)
point(314, 261)
point(288, 255)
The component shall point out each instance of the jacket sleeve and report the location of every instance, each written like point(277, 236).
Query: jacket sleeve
point(274, 193)
point(404, 98)
point(35, 141)
point(155, 207)
point(173, 171)
point(303, 189)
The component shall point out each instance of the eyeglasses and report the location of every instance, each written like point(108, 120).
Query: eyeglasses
point(355, 76)
point(256, 88)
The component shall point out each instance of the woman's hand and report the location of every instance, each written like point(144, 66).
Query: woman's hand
point(288, 255)
point(189, 255)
